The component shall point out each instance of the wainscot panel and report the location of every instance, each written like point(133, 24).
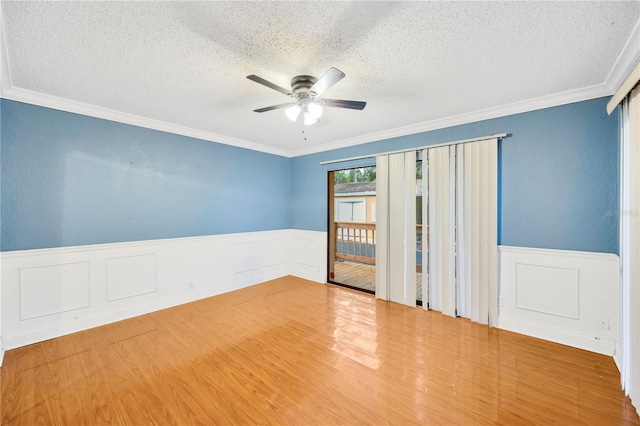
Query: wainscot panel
point(308, 256)
point(568, 297)
point(47, 293)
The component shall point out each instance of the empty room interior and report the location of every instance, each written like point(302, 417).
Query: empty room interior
point(320, 213)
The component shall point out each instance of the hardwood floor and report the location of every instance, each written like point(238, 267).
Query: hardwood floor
point(293, 352)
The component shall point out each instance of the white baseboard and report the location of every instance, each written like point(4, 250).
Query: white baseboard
point(567, 297)
point(86, 322)
point(604, 347)
point(48, 293)
point(616, 357)
point(52, 292)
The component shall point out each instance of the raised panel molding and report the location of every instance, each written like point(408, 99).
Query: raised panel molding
point(48, 293)
point(53, 289)
point(274, 253)
point(534, 284)
point(305, 251)
point(246, 257)
point(188, 269)
point(568, 297)
point(308, 255)
point(131, 276)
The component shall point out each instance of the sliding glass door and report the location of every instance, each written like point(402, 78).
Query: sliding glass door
point(352, 228)
point(422, 229)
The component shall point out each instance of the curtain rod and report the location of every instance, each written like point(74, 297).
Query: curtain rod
point(362, 157)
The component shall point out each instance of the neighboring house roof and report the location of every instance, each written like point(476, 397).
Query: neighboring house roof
point(353, 188)
point(363, 188)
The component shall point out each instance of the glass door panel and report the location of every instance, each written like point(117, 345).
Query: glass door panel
point(352, 215)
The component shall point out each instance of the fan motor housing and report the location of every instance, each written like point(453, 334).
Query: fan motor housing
point(301, 84)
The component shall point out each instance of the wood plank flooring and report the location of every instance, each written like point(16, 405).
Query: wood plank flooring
point(355, 274)
point(290, 351)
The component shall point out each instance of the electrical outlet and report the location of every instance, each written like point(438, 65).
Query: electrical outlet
point(604, 323)
point(192, 286)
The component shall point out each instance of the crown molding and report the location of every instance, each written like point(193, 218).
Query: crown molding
point(41, 99)
point(63, 104)
point(626, 60)
point(8, 91)
point(556, 99)
point(629, 56)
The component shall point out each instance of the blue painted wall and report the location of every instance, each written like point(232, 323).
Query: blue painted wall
point(558, 177)
point(68, 179)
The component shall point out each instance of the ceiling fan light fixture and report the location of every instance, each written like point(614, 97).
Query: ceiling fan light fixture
point(309, 119)
point(315, 109)
point(306, 89)
point(293, 112)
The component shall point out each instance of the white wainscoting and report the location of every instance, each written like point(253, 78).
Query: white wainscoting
point(51, 292)
point(308, 258)
point(568, 297)
point(1, 346)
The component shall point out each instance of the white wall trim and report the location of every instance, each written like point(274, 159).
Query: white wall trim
point(141, 243)
point(9, 91)
point(564, 296)
point(222, 263)
point(559, 253)
point(605, 347)
point(549, 101)
point(183, 270)
point(62, 104)
point(308, 255)
point(73, 326)
point(625, 61)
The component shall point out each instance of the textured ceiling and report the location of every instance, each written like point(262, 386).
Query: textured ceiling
point(185, 63)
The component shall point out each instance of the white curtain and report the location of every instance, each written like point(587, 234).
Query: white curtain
point(441, 227)
point(463, 230)
point(460, 222)
point(629, 96)
point(382, 227)
point(477, 163)
point(630, 246)
point(396, 228)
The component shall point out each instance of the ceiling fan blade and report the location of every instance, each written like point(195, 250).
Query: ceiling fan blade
point(269, 84)
point(329, 78)
point(272, 107)
point(339, 103)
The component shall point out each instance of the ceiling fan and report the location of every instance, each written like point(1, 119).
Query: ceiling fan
point(306, 91)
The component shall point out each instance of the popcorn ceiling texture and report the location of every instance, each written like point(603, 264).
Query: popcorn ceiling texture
point(185, 62)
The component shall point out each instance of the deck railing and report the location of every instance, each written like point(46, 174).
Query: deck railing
point(356, 241)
